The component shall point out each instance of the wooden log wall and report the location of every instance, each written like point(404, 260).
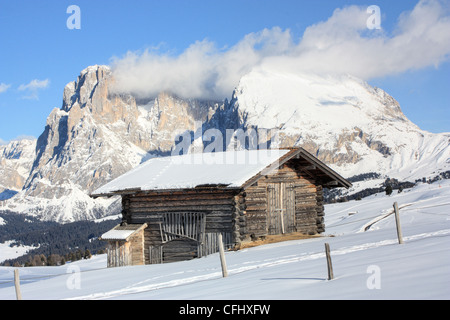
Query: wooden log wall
point(320, 209)
point(256, 211)
point(219, 207)
point(309, 210)
point(239, 225)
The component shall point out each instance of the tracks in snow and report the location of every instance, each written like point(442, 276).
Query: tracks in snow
point(249, 266)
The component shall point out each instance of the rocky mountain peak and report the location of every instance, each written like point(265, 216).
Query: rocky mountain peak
point(82, 90)
point(94, 137)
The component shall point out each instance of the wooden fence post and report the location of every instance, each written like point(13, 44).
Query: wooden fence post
point(329, 264)
point(397, 222)
point(222, 257)
point(17, 284)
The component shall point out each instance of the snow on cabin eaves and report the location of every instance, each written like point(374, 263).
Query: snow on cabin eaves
point(117, 235)
point(123, 232)
point(228, 169)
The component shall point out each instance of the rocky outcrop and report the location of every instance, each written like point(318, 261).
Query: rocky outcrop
point(16, 159)
point(94, 137)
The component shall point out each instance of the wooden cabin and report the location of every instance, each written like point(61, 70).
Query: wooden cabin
point(181, 203)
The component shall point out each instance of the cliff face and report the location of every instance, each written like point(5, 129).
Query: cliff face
point(16, 160)
point(76, 147)
point(94, 137)
point(98, 135)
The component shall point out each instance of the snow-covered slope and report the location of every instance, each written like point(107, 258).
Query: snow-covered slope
point(367, 264)
point(10, 249)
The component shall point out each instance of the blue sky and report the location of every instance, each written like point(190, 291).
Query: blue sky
point(39, 54)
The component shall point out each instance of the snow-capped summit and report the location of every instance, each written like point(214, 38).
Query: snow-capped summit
point(343, 121)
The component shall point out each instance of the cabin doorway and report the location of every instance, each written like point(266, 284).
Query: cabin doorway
point(281, 208)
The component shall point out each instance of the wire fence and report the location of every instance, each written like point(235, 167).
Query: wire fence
point(383, 216)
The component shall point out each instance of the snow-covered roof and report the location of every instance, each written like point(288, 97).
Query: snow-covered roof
point(122, 233)
point(230, 169)
point(227, 169)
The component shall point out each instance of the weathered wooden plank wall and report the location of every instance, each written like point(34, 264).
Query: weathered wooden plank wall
point(118, 254)
point(137, 249)
point(302, 202)
point(256, 210)
point(157, 208)
point(126, 253)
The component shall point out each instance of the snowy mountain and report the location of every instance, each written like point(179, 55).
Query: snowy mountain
point(342, 120)
point(98, 135)
point(351, 126)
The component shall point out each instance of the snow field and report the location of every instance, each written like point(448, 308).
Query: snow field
point(367, 264)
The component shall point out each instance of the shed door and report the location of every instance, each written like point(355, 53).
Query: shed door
point(182, 233)
point(281, 208)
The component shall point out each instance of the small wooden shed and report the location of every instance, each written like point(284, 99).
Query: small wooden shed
point(185, 201)
point(125, 245)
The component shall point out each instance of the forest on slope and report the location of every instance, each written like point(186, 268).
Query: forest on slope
point(54, 241)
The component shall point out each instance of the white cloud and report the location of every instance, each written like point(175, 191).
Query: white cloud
point(4, 87)
point(33, 87)
point(3, 142)
point(34, 84)
point(341, 44)
point(202, 70)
